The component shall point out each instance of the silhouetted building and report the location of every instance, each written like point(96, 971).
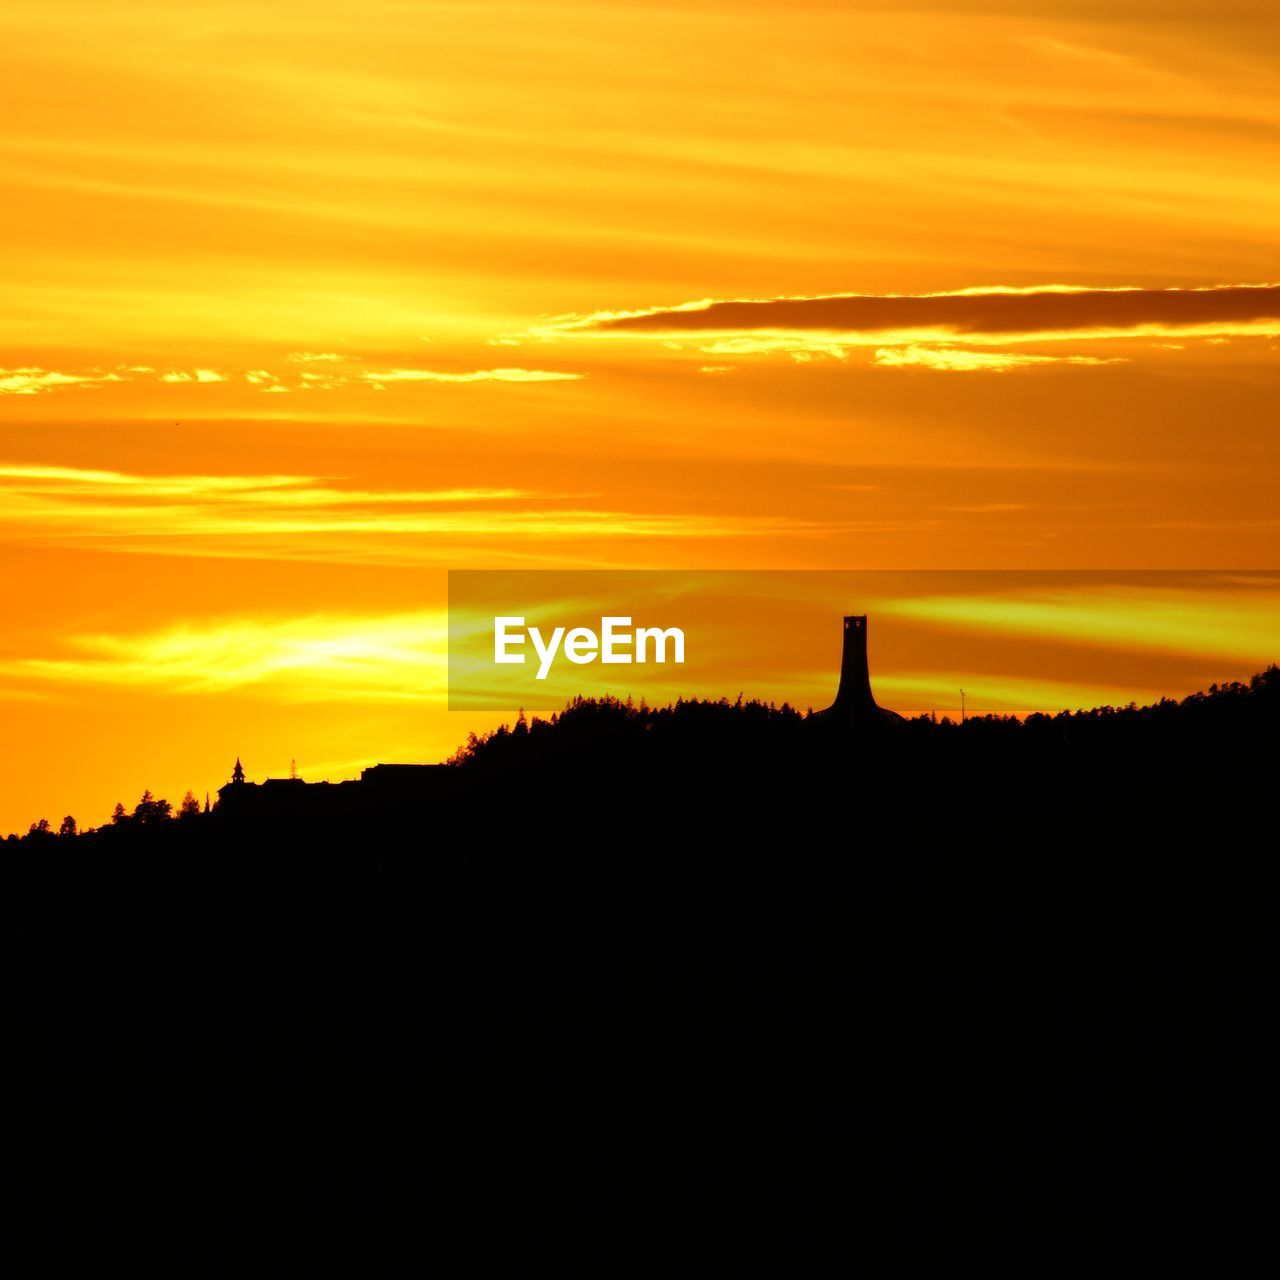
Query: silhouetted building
point(381, 787)
point(854, 702)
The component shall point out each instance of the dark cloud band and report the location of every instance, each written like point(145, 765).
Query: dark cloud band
point(972, 313)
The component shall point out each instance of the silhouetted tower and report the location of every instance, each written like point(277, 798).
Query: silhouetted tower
point(854, 701)
point(237, 774)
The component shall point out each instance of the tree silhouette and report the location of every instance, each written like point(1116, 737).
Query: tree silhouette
point(150, 810)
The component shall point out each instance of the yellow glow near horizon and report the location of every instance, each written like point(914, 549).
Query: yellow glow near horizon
point(324, 658)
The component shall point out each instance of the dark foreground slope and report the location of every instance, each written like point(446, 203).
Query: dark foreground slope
point(737, 999)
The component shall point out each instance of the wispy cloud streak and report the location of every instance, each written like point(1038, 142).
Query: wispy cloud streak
point(34, 381)
point(958, 360)
point(1204, 624)
point(476, 375)
point(275, 515)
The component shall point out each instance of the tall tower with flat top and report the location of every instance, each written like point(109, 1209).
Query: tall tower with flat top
point(854, 701)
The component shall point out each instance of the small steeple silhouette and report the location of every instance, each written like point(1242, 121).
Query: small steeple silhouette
point(237, 774)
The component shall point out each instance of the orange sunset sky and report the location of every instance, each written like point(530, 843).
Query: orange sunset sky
point(306, 304)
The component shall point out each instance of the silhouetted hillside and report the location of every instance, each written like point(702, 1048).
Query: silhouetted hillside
point(714, 990)
point(706, 750)
point(1235, 717)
